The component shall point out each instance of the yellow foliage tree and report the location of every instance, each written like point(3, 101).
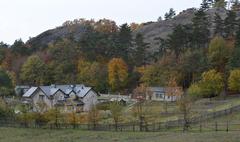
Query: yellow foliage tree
point(234, 80)
point(117, 74)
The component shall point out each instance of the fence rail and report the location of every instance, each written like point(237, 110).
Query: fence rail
point(130, 127)
point(175, 125)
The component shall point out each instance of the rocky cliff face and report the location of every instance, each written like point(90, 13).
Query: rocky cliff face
point(49, 36)
point(150, 31)
point(164, 28)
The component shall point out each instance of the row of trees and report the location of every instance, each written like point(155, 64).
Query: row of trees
point(111, 57)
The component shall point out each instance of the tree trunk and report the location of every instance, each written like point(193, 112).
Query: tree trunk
point(225, 82)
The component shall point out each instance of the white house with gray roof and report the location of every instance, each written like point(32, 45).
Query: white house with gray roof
point(77, 97)
point(169, 94)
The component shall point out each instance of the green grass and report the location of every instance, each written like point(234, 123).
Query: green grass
point(45, 135)
point(155, 111)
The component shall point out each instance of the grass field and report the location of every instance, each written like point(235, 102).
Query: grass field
point(156, 111)
point(44, 135)
point(70, 135)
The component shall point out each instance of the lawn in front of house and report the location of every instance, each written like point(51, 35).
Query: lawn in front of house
point(161, 111)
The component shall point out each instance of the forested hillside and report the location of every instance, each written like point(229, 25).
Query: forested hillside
point(198, 48)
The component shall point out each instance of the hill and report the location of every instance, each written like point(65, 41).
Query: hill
point(150, 30)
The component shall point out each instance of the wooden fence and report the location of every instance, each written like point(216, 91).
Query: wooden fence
point(197, 123)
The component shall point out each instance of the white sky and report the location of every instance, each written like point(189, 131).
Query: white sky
point(28, 18)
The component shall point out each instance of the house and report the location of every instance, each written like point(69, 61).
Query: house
point(68, 97)
point(164, 93)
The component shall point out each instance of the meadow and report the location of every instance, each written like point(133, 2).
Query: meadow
point(46, 135)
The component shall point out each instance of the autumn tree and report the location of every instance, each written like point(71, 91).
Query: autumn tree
point(185, 105)
point(218, 55)
point(172, 89)
point(106, 26)
point(116, 109)
point(135, 26)
point(25, 116)
point(54, 116)
point(211, 84)
point(157, 73)
point(93, 74)
point(140, 111)
point(93, 116)
point(117, 74)
point(195, 91)
point(73, 119)
point(143, 91)
point(34, 71)
point(234, 80)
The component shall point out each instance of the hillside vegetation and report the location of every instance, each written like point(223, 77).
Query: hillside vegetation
point(194, 48)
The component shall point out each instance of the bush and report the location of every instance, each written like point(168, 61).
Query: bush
point(211, 84)
point(234, 80)
point(194, 91)
point(5, 111)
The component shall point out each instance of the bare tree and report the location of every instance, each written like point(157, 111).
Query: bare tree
point(185, 105)
point(171, 90)
point(93, 116)
point(116, 109)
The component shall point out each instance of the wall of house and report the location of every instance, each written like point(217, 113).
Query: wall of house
point(36, 100)
point(89, 100)
point(160, 96)
point(58, 96)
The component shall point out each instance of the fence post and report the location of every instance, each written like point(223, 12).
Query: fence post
point(200, 128)
point(109, 127)
point(159, 126)
point(216, 126)
point(227, 127)
point(133, 127)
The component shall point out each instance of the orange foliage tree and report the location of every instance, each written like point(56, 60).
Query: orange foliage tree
point(117, 74)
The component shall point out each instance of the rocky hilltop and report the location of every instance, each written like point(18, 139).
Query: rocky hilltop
point(150, 31)
point(164, 27)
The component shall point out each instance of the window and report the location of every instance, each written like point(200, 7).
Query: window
point(158, 95)
point(41, 98)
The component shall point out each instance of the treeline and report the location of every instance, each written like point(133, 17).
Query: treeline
point(115, 58)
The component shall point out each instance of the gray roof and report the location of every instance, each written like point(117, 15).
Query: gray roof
point(157, 89)
point(80, 90)
point(48, 90)
point(30, 92)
